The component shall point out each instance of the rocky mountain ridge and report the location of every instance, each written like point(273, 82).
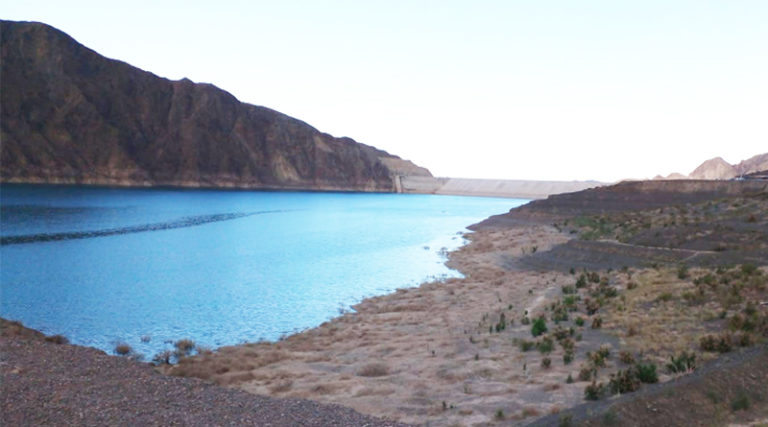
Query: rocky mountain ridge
point(718, 168)
point(70, 115)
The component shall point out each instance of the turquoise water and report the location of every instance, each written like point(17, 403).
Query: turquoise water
point(105, 265)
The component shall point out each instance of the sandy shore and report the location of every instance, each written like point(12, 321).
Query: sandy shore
point(424, 354)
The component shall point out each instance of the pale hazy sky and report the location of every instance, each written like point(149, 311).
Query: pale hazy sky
point(489, 89)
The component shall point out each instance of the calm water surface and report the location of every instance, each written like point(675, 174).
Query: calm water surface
point(102, 265)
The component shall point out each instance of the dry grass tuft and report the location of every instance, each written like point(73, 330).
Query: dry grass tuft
point(373, 370)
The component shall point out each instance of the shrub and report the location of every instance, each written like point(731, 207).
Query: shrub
point(567, 344)
point(502, 323)
point(539, 326)
point(682, 272)
point(720, 344)
point(748, 269)
point(184, 347)
point(57, 339)
point(546, 345)
point(568, 357)
point(581, 282)
point(624, 381)
point(579, 321)
point(526, 345)
point(525, 320)
point(163, 357)
point(646, 373)
point(740, 402)
point(592, 306)
point(569, 380)
point(626, 357)
point(631, 285)
point(123, 349)
point(596, 358)
point(604, 351)
point(373, 370)
point(594, 391)
point(586, 373)
point(597, 322)
point(499, 414)
point(568, 289)
point(546, 362)
point(560, 334)
point(743, 339)
point(682, 363)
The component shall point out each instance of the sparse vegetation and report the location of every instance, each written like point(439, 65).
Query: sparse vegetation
point(539, 326)
point(123, 349)
point(57, 339)
point(373, 370)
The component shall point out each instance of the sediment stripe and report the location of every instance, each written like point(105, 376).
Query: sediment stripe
point(179, 223)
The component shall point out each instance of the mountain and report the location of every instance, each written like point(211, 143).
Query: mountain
point(753, 164)
point(716, 168)
point(70, 115)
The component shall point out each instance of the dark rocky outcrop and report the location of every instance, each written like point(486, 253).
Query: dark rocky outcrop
point(70, 115)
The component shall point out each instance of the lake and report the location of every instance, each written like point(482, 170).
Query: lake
point(106, 265)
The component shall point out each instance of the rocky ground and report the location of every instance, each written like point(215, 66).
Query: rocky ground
point(47, 382)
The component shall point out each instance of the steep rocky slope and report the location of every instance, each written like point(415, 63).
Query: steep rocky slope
point(70, 115)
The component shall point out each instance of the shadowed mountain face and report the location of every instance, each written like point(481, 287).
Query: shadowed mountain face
point(70, 115)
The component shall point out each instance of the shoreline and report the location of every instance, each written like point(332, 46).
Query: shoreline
point(402, 354)
point(453, 352)
point(461, 352)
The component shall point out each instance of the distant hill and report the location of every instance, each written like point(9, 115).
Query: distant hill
point(70, 115)
point(717, 168)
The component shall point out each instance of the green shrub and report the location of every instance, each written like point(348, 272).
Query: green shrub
point(579, 321)
point(748, 269)
point(568, 289)
point(682, 272)
point(568, 357)
point(740, 402)
point(581, 282)
point(539, 326)
point(682, 363)
point(546, 345)
point(646, 373)
point(594, 391)
point(623, 381)
point(526, 345)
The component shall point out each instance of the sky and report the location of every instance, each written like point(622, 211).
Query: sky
point(542, 90)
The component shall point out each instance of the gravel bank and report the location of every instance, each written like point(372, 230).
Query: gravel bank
point(57, 384)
